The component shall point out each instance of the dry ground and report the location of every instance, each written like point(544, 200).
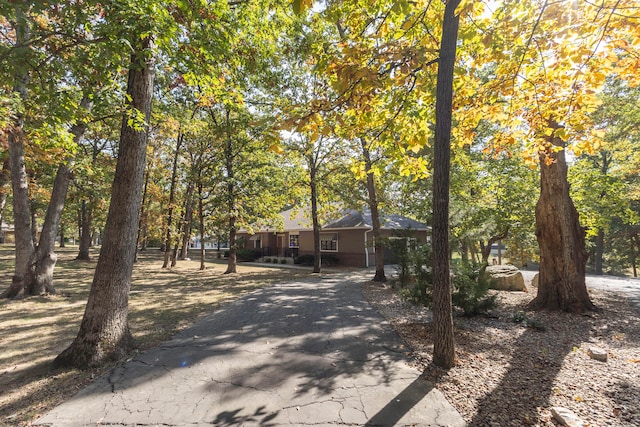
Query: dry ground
point(507, 374)
point(35, 330)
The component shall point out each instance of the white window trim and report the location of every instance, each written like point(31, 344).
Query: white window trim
point(294, 234)
point(329, 240)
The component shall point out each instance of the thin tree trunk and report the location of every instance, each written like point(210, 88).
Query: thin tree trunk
point(444, 344)
point(86, 225)
point(317, 254)
point(561, 239)
point(231, 204)
point(375, 215)
point(201, 224)
point(62, 236)
point(104, 332)
point(599, 251)
point(172, 197)
point(5, 179)
point(143, 217)
point(186, 224)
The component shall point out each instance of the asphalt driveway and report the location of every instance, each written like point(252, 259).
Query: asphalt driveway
point(309, 352)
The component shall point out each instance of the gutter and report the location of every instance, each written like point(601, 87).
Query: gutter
point(366, 250)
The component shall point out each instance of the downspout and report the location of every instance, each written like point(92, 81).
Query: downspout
point(366, 250)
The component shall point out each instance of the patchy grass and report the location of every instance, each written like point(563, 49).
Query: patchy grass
point(35, 330)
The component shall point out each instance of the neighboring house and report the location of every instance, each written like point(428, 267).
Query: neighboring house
point(349, 237)
point(7, 233)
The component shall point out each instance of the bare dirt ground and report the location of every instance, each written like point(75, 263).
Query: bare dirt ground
point(507, 374)
point(35, 330)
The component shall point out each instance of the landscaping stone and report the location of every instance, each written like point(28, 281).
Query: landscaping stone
point(566, 418)
point(506, 278)
point(598, 354)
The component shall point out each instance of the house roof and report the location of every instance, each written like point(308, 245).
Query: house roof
point(298, 219)
point(355, 219)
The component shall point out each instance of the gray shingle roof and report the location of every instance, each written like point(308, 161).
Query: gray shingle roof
point(355, 219)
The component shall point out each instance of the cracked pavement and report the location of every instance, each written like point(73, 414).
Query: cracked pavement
point(307, 352)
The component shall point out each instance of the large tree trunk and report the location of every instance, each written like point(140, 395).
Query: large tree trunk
point(104, 332)
point(379, 276)
point(561, 239)
point(24, 245)
point(317, 253)
point(444, 344)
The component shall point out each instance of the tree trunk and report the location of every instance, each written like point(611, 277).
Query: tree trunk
point(39, 278)
point(104, 332)
point(186, 223)
point(172, 197)
point(444, 345)
point(317, 253)
point(62, 235)
point(232, 266)
point(561, 239)
point(635, 243)
point(379, 276)
point(86, 224)
point(140, 238)
point(201, 223)
point(24, 245)
point(599, 251)
point(5, 179)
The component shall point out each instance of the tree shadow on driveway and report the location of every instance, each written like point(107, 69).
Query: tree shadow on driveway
point(307, 351)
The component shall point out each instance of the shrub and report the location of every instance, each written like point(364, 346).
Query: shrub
point(248, 255)
point(470, 290)
point(416, 276)
point(522, 318)
point(267, 260)
point(308, 259)
point(305, 259)
point(283, 261)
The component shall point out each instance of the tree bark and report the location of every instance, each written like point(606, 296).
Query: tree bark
point(172, 201)
point(317, 253)
point(232, 266)
point(379, 275)
point(39, 278)
point(5, 179)
point(86, 224)
point(142, 221)
point(599, 251)
point(104, 332)
point(25, 247)
point(444, 344)
point(186, 222)
point(201, 222)
point(560, 237)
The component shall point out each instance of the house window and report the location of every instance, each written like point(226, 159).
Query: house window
point(257, 241)
point(294, 240)
point(329, 242)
